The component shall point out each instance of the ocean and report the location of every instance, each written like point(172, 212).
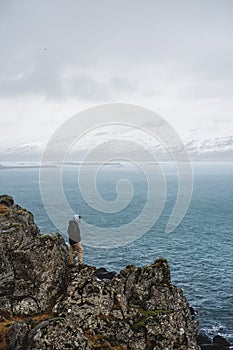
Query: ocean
point(199, 251)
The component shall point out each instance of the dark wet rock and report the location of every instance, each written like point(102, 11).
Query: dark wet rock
point(214, 346)
point(203, 338)
point(137, 309)
point(101, 270)
point(32, 265)
point(218, 343)
point(6, 200)
point(102, 273)
point(218, 339)
point(210, 347)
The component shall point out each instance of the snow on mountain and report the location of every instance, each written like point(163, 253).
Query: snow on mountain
point(216, 149)
point(25, 148)
point(24, 151)
point(213, 149)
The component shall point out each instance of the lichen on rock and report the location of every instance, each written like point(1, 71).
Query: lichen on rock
point(138, 309)
point(33, 265)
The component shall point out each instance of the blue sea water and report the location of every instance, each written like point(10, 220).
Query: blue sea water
point(199, 251)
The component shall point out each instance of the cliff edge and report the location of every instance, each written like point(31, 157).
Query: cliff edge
point(46, 305)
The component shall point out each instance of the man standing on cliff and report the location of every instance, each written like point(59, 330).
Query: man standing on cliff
point(75, 241)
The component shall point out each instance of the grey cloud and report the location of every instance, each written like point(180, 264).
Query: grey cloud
point(45, 79)
point(185, 39)
point(41, 79)
point(120, 84)
point(202, 90)
point(87, 88)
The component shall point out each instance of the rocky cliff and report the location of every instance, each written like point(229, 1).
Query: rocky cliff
point(46, 305)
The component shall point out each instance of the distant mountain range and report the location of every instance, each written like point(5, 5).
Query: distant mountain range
point(216, 149)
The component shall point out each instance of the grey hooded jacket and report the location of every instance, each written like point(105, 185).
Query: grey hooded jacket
point(74, 232)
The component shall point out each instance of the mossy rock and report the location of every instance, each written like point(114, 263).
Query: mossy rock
point(6, 200)
point(145, 315)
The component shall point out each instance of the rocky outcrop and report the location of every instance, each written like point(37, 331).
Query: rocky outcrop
point(137, 309)
point(32, 265)
point(218, 343)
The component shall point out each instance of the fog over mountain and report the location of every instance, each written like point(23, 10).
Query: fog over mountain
point(59, 58)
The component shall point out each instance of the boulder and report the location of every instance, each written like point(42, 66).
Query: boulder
point(218, 339)
point(6, 200)
point(219, 343)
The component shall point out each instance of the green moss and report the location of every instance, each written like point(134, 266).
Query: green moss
point(149, 313)
point(45, 236)
point(15, 224)
point(139, 324)
point(144, 316)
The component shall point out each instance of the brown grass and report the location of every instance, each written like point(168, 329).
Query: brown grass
point(100, 342)
point(4, 209)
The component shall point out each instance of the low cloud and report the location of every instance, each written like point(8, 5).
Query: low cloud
point(58, 58)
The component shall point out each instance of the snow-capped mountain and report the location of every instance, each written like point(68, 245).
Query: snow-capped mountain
point(20, 152)
point(216, 149)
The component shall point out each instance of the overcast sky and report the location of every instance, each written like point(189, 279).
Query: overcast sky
point(60, 57)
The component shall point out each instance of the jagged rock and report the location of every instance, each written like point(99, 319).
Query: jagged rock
point(6, 200)
point(203, 338)
point(219, 343)
point(17, 335)
point(55, 333)
point(32, 265)
point(137, 309)
point(213, 347)
point(218, 339)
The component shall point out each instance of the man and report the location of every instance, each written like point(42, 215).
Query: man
point(75, 241)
